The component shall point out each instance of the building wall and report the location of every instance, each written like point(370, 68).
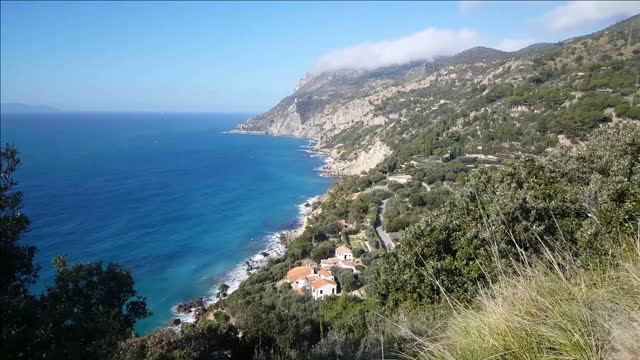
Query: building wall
point(323, 291)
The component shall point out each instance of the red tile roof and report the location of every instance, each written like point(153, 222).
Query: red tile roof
point(299, 273)
point(321, 283)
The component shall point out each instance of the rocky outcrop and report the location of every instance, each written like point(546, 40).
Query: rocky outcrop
point(350, 112)
point(189, 306)
point(363, 161)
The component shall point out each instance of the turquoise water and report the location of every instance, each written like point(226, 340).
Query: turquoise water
point(169, 196)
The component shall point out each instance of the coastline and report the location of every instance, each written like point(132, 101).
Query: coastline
point(332, 165)
point(314, 149)
point(276, 246)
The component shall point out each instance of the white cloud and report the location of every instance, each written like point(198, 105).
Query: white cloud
point(424, 45)
point(514, 44)
point(466, 7)
point(576, 14)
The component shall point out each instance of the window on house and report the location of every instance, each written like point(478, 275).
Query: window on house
point(320, 292)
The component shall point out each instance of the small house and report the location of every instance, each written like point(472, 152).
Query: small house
point(322, 288)
point(299, 276)
point(344, 253)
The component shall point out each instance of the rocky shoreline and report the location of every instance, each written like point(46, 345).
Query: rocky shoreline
point(332, 167)
point(191, 311)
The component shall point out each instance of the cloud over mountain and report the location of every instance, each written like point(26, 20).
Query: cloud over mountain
point(424, 45)
point(577, 14)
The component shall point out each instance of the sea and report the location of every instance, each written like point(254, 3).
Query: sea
point(172, 197)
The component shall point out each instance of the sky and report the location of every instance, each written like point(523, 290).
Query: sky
point(246, 56)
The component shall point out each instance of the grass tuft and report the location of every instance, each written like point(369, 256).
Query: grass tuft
point(545, 313)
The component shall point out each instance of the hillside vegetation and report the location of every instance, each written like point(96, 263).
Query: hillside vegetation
point(523, 175)
point(561, 227)
point(463, 104)
point(548, 313)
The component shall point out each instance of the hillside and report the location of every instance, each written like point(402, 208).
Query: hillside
point(467, 181)
point(361, 117)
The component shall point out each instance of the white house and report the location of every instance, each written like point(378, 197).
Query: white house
point(300, 276)
point(344, 253)
point(322, 288)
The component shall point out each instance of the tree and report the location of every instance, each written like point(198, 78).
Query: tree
point(17, 271)
point(347, 280)
point(88, 310)
point(323, 251)
point(222, 291)
point(358, 252)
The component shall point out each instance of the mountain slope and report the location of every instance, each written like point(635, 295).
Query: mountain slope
point(362, 117)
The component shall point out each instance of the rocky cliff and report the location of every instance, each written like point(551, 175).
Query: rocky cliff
point(360, 117)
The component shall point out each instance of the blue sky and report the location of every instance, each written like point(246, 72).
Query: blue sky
point(215, 56)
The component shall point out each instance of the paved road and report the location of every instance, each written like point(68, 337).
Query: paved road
point(382, 235)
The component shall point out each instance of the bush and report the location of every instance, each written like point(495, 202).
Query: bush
point(346, 280)
point(323, 251)
point(545, 314)
point(589, 194)
point(626, 110)
point(367, 258)
point(358, 252)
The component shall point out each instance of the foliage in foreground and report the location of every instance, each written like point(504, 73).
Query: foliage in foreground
point(545, 313)
point(581, 200)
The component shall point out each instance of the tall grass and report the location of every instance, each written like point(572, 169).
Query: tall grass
point(545, 313)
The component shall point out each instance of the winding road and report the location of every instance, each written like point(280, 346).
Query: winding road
point(382, 235)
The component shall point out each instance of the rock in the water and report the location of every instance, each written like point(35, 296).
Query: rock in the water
point(175, 322)
point(186, 307)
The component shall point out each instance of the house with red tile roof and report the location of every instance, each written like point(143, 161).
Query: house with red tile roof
point(323, 288)
point(299, 276)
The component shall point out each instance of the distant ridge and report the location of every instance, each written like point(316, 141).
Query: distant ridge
point(26, 108)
